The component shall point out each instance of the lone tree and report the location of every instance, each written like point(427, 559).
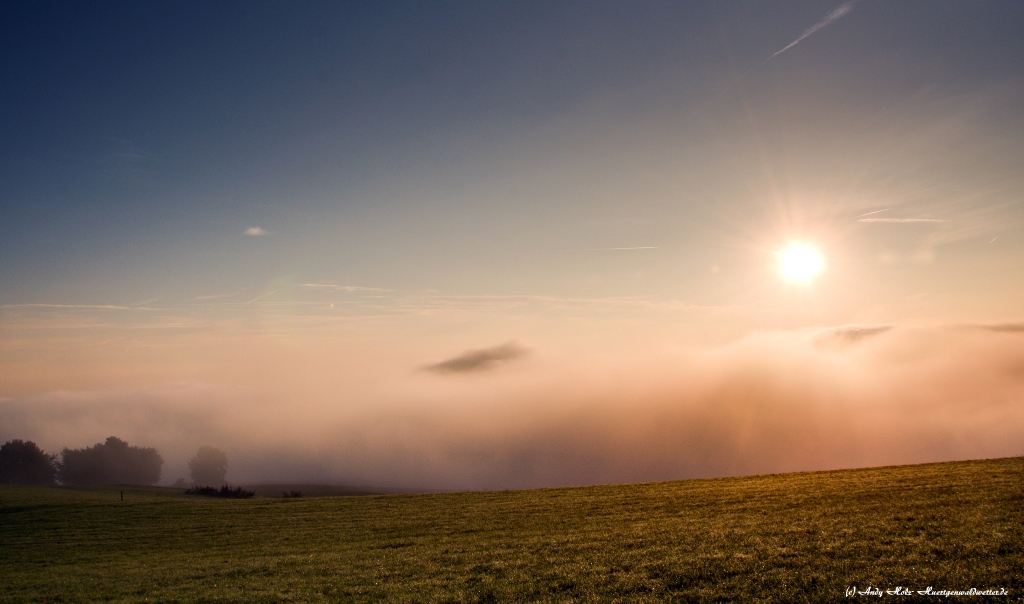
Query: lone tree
point(24, 462)
point(112, 462)
point(208, 467)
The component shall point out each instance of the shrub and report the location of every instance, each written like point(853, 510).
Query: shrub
point(225, 492)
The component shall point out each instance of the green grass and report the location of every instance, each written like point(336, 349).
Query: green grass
point(783, 538)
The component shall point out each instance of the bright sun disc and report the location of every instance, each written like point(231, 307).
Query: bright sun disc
point(800, 262)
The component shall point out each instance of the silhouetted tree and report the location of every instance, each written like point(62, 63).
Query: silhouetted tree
point(25, 463)
point(112, 462)
point(208, 466)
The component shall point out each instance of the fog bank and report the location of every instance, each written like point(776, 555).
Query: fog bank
point(770, 402)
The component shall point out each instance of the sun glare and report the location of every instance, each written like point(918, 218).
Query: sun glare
point(800, 262)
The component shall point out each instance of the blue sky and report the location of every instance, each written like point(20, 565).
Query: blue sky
point(142, 139)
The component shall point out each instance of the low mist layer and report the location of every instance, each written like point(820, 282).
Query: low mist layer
point(769, 402)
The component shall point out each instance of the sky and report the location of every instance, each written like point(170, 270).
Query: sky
point(489, 245)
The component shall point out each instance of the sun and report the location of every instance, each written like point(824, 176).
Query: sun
point(800, 263)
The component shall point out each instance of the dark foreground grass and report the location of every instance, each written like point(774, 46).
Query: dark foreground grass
point(784, 538)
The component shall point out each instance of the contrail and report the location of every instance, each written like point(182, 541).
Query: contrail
point(261, 296)
point(215, 296)
point(829, 20)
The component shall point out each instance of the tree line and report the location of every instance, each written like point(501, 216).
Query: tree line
point(111, 462)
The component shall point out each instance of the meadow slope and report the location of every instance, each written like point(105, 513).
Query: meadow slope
point(784, 538)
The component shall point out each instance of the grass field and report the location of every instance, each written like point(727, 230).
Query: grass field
point(783, 538)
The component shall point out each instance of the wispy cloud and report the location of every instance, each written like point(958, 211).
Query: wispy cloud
point(347, 288)
point(847, 335)
point(828, 20)
point(605, 249)
point(901, 220)
point(77, 306)
point(473, 361)
point(255, 231)
point(1005, 327)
